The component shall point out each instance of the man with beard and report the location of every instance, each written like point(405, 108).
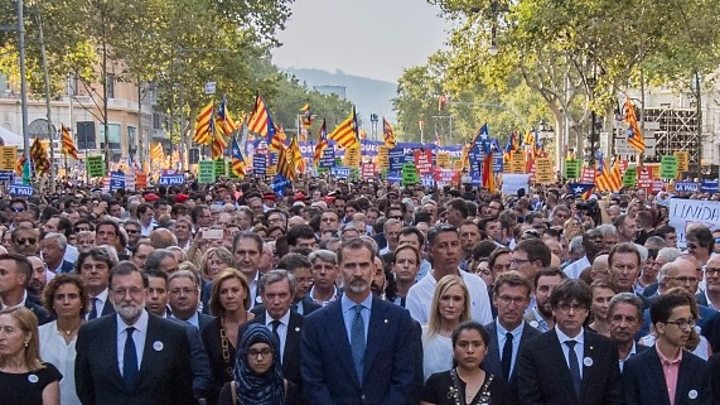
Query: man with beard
point(380, 365)
point(667, 373)
point(150, 359)
point(540, 316)
point(39, 279)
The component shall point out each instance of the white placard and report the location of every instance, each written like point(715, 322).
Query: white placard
point(684, 212)
point(511, 183)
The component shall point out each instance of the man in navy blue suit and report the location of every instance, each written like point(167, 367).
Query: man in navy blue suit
point(359, 349)
point(667, 370)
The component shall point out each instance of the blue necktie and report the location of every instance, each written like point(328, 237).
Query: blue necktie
point(507, 356)
point(93, 311)
point(130, 361)
point(357, 342)
point(574, 367)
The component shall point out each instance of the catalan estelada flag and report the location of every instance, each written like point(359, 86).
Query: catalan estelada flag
point(203, 134)
point(634, 135)
point(237, 164)
point(68, 145)
point(609, 179)
point(285, 165)
point(346, 134)
point(219, 143)
point(321, 145)
point(488, 177)
point(39, 157)
point(277, 141)
point(260, 121)
point(223, 120)
point(389, 134)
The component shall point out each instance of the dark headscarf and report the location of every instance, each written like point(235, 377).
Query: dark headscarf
point(261, 389)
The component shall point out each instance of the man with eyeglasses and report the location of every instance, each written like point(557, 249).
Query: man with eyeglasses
point(132, 228)
point(149, 362)
point(329, 222)
point(24, 241)
point(529, 257)
point(18, 210)
point(391, 230)
point(711, 296)
point(700, 243)
point(667, 373)
point(509, 333)
point(569, 365)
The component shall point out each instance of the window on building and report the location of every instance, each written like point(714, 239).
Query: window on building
point(157, 121)
point(113, 136)
point(110, 85)
point(86, 135)
point(132, 139)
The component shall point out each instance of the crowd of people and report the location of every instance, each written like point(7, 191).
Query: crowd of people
point(355, 293)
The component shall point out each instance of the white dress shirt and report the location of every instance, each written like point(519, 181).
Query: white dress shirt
point(501, 338)
point(281, 330)
point(99, 301)
point(139, 335)
point(55, 351)
point(579, 347)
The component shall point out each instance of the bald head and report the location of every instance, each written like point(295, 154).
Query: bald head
point(295, 221)
point(162, 238)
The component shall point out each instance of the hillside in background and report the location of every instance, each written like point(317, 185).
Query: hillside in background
point(368, 95)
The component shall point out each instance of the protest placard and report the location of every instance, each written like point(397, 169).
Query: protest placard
point(171, 180)
point(684, 212)
point(683, 161)
point(95, 166)
point(544, 171)
point(511, 183)
point(8, 157)
point(668, 166)
point(206, 172)
point(409, 174)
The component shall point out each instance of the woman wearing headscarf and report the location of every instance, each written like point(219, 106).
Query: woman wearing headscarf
point(258, 377)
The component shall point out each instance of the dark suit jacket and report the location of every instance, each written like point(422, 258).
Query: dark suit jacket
point(307, 303)
point(204, 320)
point(199, 361)
point(391, 364)
point(165, 376)
point(644, 380)
point(714, 370)
point(542, 375)
point(67, 267)
point(291, 354)
point(40, 312)
point(492, 363)
point(711, 331)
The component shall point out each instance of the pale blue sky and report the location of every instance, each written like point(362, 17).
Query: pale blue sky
point(368, 38)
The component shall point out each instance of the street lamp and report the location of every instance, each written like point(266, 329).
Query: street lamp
point(373, 122)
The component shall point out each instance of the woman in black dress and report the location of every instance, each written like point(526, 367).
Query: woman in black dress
point(467, 383)
point(24, 379)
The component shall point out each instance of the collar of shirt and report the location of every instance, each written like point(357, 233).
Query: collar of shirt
point(709, 302)
point(311, 294)
point(58, 268)
point(194, 319)
point(141, 324)
point(517, 332)
point(349, 305)
point(20, 304)
point(632, 352)
point(665, 361)
point(284, 320)
point(562, 337)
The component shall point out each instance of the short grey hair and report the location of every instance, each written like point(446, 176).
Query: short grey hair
point(607, 229)
point(390, 222)
point(669, 254)
point(61, 239)
point(185, 274)
point(274, 276)
point(327, 256)
point(627, 298)
point(663, 273)
point(643, 252)
point(576, 245)
point(158, 255)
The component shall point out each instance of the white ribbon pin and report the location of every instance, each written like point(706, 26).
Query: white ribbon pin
point(158, 346)
point(692, 394)
point(534, 324)
point(588, 362)
point(297, 329)
point(33, 378)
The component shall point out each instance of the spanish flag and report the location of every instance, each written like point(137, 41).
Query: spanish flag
point(346, 134)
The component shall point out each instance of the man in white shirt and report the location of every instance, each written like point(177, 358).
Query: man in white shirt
point(445, 251)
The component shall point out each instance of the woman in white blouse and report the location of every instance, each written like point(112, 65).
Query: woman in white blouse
point(67, 299)
point(450, 308)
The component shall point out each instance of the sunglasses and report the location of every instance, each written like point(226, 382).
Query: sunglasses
point(28, 241)
point(17, 209)
point(80, 229)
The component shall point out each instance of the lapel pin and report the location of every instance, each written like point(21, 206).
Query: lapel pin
point(297, 329)
point(692, 394)
point(534, 324)
point(588, 362)
point(34, 379)
point(158, 345)
point(385, 320)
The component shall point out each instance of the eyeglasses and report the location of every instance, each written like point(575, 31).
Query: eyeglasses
point(709, 271)
point(564, 307)
point(682, 323)
point(131, 230)
point(184, 291)
point(519, 261)
point(17, 209)
point(80, 229)
point(262, 353)
point(122, 292)
point(28, 241)
point(505, 300)
point(396, 217)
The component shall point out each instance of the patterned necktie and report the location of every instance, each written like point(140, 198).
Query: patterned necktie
point(130, 361)
point(507, 356)
point(574, 367)
point(93, 311)
point(357, 342)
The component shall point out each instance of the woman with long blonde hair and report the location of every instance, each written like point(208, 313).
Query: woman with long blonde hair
point(450, 307)
point(24, 378)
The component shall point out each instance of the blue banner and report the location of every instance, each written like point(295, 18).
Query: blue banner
point(19, 190)
point(340, 172)
point(327, 160)
point(8, 176)
point(710, 186)
point(279, 183)
point(172, 180)
point(394, 177)
point(686, 187)
point(117, 181)
point(396, 158)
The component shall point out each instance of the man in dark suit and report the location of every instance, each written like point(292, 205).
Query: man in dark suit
point(15, 272)
point(569, 365)
point(53, 247)
point(667, 370)
point(300, 267)
point(625, 315)
point(277, 289)
point(359, 349)
point(184, 292)
point(132, 357)
point(509, 333)
point(94, 268)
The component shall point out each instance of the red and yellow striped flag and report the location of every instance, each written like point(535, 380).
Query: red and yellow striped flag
point(157, 154)
point(203, 134)
point(346, 134)
point(39, 157)
point(297, 157)
point(634, 135)
point(260, 121)
point(68, 146)
point(284, 165)
point(277, 142)
point(609, 179)
point(322, 144)
point(390, 141)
